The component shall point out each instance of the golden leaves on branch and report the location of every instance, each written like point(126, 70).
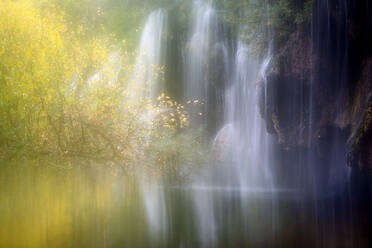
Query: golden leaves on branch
point(68, 96)
point(174, 114)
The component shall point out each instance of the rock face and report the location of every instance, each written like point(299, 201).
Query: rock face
point(319, 86)
point(361, 153)
point(288, 82)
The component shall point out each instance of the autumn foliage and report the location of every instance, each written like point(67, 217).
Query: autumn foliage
point(64, 95)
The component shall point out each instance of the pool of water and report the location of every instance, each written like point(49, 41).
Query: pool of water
point(57, 207)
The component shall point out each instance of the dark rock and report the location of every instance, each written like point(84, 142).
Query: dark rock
point(319, 83)
point(361, 153)
point(284, 104)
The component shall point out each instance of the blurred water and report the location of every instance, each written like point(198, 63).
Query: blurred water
point(103, 208)
point(236, 201)
point(148, 74)
point(202, 36)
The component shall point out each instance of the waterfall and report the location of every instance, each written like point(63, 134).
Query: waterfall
point(240, 123)
point(243, 142)
point(242, 147)
point(215, 72)
point(148, 80)
point(250, 141)
point(243, 173)
point(200, 56)
point(148, 74)
point(202, 36)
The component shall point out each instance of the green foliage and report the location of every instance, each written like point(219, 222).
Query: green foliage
point(122, 18)
point(258, 20)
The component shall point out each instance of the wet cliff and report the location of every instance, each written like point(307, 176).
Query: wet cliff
point(319, 86)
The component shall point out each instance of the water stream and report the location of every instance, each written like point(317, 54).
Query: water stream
point(238, 199)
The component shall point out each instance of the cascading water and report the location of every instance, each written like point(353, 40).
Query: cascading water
point(205, 52)
point(250, 143)
point(266, 166)
point(202, 37)
point(242, 150)
point(148, 81)
point(151, 56)
point(242, 146)
point(242, 176)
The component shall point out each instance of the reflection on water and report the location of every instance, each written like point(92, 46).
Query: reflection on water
point(51, 207)
point(43, 206)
